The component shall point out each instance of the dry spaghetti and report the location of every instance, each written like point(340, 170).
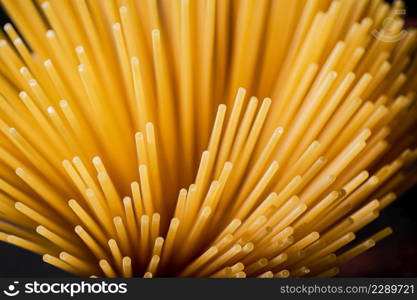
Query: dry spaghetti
point(125, 150)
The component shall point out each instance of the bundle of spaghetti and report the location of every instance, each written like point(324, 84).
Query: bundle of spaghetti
point(130, 143)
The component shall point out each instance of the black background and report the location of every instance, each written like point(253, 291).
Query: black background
point(396, 256)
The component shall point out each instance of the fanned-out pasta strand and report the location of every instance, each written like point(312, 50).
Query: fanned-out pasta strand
point(138, 139)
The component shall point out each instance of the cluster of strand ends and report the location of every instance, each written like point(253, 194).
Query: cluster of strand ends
point(125, 150)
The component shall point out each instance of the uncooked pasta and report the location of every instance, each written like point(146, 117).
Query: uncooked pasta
point(203, 138)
